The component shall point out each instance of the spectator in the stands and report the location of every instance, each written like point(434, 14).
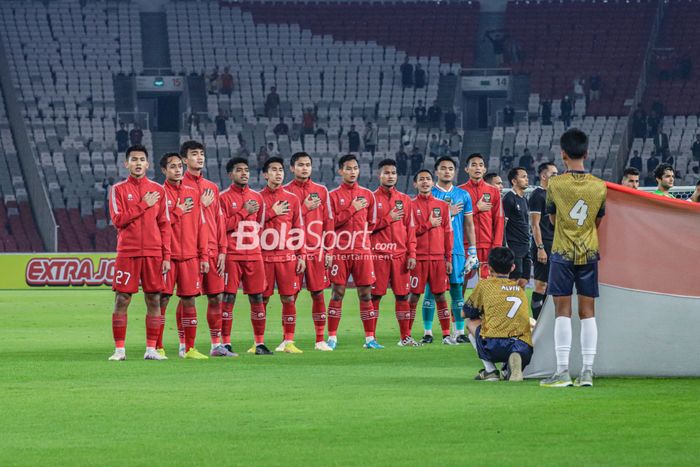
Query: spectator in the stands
point(506, 159)
point(658, 107)
point(695, 148)
point(652, 163)
point(639, 122)
point(419, 77)
point(455, 143)
point(416, 160)
point(135, 135)
point(450, 120)
point(272, 103)
point(263, 155)
point(539, 158)
point(243, 151)
point(546, 114)
point(271, 151)
point(526, 161)
point(353, 140)
point(308, 121)
point(579, 93)
point(434, 146)
point(220, 121)
point(406, 74)
point(281, 128)
point(193, 123)
point(226, 82)
point(402, 161)
point(122, 138)
point(594, 85)
point(214, 81)
point(493, 179)
point(661, 143)
point(434, 115)
point(566, 108)
point(636, 160)
point(419, 112)
point(408, 136)
point(444, 148)
point(497, 38)
point(630, 178)
point(370, 138)
point(508, 114)
point(665, 177)
point(653, 122)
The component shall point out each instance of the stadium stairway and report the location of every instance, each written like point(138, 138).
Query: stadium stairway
point(520, 91)
point(154, 40)
point(197, 92)
point(163, 142)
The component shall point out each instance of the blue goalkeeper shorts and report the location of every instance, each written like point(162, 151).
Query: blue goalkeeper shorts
point(458, 264)
point(498, 349)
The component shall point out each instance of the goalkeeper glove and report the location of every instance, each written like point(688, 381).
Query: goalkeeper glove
point(472, 260)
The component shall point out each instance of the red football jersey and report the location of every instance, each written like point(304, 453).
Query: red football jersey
point(393, 238)
point(317, 221)
point(141, 230)
point(488, 225)
point(189, 239)
point(284, 247)
point(213, 215)
point(353, 228)
point(243, 240)
point(432, 242)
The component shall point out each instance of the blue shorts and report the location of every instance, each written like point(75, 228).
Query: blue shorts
point(563, 276)
point(458, 264)
point(498, 349)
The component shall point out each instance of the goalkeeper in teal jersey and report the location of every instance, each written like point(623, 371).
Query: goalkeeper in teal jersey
point(462, 225)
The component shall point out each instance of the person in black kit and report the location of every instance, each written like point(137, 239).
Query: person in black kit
point(546, 114)
point(526, 161)
point(636, 161)
point(542, 235)
point(353, 139)
point(419, 112)
point(402, 162)
point(639, 122)
point(122, 138)
point(416, 160)
point(498, 41)
point(406, 74)
point(517, 225)
point(652, 163)
point(566, 108)
point(450, 120)
point(434, 115)
point(508, 114)
point(419, 77)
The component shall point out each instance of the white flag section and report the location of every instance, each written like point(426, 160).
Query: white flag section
point(648, 313)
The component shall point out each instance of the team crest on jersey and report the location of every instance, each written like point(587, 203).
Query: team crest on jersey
point(448, 200)
point(487, 197)
point(399, 205)
point(189, 199)
point(314, 196)
point(361, 198)
point(436, 212)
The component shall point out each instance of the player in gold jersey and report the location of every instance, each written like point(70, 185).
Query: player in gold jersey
point(499, 322)
point(576, 206)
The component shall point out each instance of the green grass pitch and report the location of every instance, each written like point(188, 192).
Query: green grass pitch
point(63, 403)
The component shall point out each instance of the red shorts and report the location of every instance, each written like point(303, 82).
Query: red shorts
point(360, 266)
point(212, 282)
point(250, 273)
point(431, 272)
point(391, 270)
point(285, 275)
point(129, 272)
point(483, 255)
point(316, 275)
point(186, 275)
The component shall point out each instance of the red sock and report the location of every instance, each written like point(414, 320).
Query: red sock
point(180, 329)
point(214, 321)
point(403, 316)
point(443, 313)
point(159, 342)
point(366, 315)
point(226, 322)
point(375, 308)
point(189, 323)
point(257, 318)
point(152, 330)
point(335, 310)
point(119, 329)
point(412, 311)
point(318, 314)
point(289, 320)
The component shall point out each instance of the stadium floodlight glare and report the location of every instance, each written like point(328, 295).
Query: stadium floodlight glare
point(158, 82)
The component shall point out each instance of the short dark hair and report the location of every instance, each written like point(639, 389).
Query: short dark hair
point(415, 177)
point(166, 157)
point(234, 162)
point(190, 145)
point(272, 160)
point(661, 169)
point(346, 158)
point(574, 143)
point(136, 148)
point(298, 155)
point(630, 171)
point(444, 159)
point(474, 155)
point(488, 178)
point(543, 166)
point(501, 259)
point(385, 162)
point(513, 173)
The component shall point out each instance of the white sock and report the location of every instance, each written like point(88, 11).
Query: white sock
point(473, 341)
point(428, 332)
point(333, 338)
point(213, 346)
point(149, 349)
point(488, 366)
point(562, 342)
point(119, 350)
point(181, 347)
point(368, 339)
point(589, 342)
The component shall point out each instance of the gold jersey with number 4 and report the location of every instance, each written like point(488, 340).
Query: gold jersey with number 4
point(503, 307)
point(577, 199)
